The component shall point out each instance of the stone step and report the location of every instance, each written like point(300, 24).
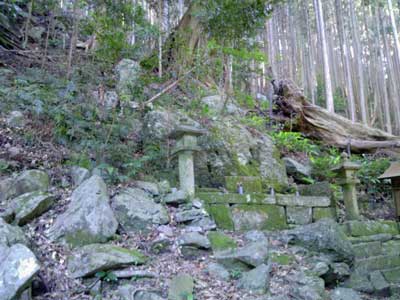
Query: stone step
point(365, 250)
point(381, 262)
point(392, 275)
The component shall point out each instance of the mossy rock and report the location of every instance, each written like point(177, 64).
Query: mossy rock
point(366, 228)
point(222, 216)
point(324, 212)
point(281, 259)
point(220, 241)
point(261, 217)
point(250, 184)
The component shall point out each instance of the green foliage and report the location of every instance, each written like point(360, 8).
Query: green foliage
point(4, 167)
point(107, 276)
point(371, 169)
point(293, 142)
point(322, 164)
point(235, 273)
point(255, 121)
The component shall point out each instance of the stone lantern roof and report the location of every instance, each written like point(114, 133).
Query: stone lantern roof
point(182, 130)
point(392, 172)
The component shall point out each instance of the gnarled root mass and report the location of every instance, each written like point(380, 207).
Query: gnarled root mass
point(329, 127)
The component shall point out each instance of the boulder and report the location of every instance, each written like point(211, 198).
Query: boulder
point(296, 170)
point(194, 239)
point(304, 286)
point(218, 271)
point(176, 197)
point(323, 236)
point(28, 181)
point(218, 104)
point(5, 185)
point(88, 218)
point(181, 287)
point(18, 265)
point(128, 72)
point(130, 292)
point(233, 150)
point(149, 187)
point(11, 235)
point(16, 119)
point(184, 215)
point(93, 258)
point(247, 257)
point(299, 215)
point(27, 207)
point(136, 211)
point(79, 175)
point(256, 280)
point(220, 241)
point(344, 294)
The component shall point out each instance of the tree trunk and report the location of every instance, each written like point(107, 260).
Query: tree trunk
point(325, 56)
point(329, 127)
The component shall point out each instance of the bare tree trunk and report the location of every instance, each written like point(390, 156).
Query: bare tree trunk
point(346, 61)
point(74, 38)
point(358, 56)
point(327, 76)
point(27, 24)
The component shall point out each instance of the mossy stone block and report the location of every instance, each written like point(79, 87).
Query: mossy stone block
point(305, 201)
point(260, 217)
point(391, 248)
point(281, 259)
point(222, 216)
point(365, 228)
point(220, 241)
point(323, 213)
point(392, 275)
point(299, 215)
point(363, 250)
point(250, 184)
point(234, 198)
point(365, 266)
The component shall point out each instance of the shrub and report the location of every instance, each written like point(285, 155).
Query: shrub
point(293, 142)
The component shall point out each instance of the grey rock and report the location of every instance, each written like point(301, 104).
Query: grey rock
point(321, 268)
point(128, 72)
point(149, 187)
point(379, 283)
point(187, 215)
point(18, 265)
point(136, 211)
point(295, 169)
point(130, 292)
point(176, 197)
point(27, 207)
point(28, 181)
point(11, 235)
point(16, 119)
point(181, 287)
point(88, 218)
point(218, 271)
point(249, 256)
point(323, 236)
point(90, 259)
point(299, 215)
point(79, 175)
point(323, 189)
point(160, 245)
point(256, 280)
point(344, 294)
point(5, 185)
point(36, 32)
point(202, 224)
point(194, 239)
point(164, 187)
point(255, 236)
point(305, 201)
point(217, 103)
point(303, 286)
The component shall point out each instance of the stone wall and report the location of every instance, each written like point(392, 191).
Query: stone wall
point(377, 249)
point(233, 211)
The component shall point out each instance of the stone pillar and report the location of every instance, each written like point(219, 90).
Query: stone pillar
point(346, 172)
point(186, 145)
point(186, 172)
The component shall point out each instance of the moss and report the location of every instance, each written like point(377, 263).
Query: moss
point(281, 259)
point(250, 184)
point(220, 241)
point(324, 212)
point(222, 216)
point(261, 217)
point(360, 228)
point(218, 198)
point(138, 257)
point(81, 238)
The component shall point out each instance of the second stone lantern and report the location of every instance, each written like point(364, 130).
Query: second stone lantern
point(186, 144)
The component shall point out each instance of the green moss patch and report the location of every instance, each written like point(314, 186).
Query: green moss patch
point(220, 241)
point(365, 228)
point(222, 216)
point(281, 259)
point(250, 184)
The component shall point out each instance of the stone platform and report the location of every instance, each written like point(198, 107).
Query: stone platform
point(238, 212)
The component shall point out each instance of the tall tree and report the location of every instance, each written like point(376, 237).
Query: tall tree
point(325, 56)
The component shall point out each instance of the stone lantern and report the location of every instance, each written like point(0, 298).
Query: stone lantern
point(186, 145)
point(347, 178)
point(393, 173)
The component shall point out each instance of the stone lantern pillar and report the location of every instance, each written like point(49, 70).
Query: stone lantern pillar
point(347, 178)
point(186, 145)
point(393, 173)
